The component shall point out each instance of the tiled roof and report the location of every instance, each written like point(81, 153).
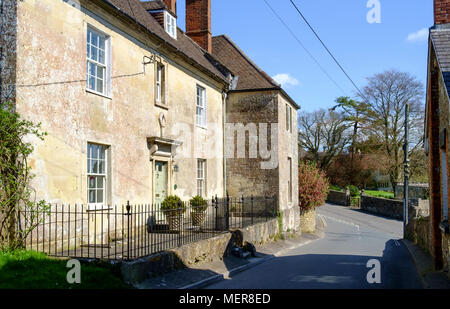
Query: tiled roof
point(441, 42)
point(183, 44)
point(250, 76)
point(154, 5)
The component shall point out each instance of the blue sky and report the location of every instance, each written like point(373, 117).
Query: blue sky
point(362, 48)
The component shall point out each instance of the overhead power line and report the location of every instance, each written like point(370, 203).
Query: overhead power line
point(304, 47)
point(328, 50)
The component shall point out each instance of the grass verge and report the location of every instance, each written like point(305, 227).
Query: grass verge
point(33, 270)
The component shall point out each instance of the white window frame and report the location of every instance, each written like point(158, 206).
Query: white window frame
point(96, 63)
point(160, 83)
point(170, 24)
point(200, 107)
point(97, 174)
point(201, 177)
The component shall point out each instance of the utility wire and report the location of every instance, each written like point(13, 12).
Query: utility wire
point(331, 54)
point(303, 46)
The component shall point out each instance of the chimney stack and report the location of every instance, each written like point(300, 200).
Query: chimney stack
point(198, 22)
point(441, 12)
point(171, 5)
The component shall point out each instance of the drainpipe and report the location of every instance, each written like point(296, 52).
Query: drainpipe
point(224, 111)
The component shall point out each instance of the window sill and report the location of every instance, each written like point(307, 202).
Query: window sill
point(161, 105)
point(99, 94)
point(200, 127)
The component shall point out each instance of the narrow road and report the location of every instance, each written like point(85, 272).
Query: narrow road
point(339, 260)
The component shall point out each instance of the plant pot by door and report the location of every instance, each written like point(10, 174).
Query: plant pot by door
point(197, 218)
point(175, 223)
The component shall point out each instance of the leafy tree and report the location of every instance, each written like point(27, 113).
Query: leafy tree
point(17, 204)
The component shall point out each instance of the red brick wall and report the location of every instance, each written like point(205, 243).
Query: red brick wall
point(441, 11)
point(172, 5)
point(198, 22)
point(434, 163)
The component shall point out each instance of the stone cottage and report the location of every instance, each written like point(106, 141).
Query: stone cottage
point(437, 131)
point(135, 108)
point(268, 163)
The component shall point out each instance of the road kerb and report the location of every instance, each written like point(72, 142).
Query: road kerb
point(222, 276)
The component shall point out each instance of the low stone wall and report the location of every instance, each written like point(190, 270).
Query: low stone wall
point(202, 251)
point(418, 231)
point(394, 208)
point(338, 198)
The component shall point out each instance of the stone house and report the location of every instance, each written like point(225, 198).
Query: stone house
point(437, 131)
point(135, 108)
point(257, 105)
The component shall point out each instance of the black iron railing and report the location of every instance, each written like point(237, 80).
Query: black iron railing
point(129, 232)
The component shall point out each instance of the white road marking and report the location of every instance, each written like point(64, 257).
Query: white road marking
point(343, 222)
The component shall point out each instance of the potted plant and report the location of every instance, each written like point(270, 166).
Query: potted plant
point(173, 208)
point(198, 209)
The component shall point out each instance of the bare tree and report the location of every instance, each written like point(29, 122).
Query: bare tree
point(324, 135)
point(386, 95)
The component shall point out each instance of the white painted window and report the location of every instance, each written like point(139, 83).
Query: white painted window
point(200, 112)
point(97, 49)
point(160, 83)
point(201, 177)
point(97, 174)
point(170, 24)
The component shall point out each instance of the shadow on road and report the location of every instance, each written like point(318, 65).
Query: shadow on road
point(327, 271)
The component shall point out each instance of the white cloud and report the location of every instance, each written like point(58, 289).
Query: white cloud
point(419, 36)
point(286, 80)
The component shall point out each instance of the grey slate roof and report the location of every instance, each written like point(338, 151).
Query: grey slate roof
point(441, 42)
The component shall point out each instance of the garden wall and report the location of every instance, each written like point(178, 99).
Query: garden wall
point(394, 208)
point(206, 250)
point(338, 198)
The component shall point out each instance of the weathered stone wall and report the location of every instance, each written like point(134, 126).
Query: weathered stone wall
point(8, 50)
point(261, 115)
point(414, 191)
point(288, 148)
point(51, 78)
point(394, 208)
point(338, 198)
point(244, 173)
point(418, 230)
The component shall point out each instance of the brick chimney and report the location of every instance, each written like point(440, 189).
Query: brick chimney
point(171, 5)
point(441, 12)
point(198, 22)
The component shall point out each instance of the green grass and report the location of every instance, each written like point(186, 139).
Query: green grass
point(383, 194)
point(32, 270)
point(336, 188)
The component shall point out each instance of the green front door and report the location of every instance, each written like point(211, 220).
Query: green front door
point(160, 182)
